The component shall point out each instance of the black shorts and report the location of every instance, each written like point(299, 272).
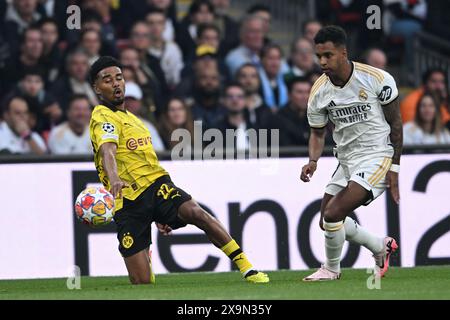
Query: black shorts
point(159, 203)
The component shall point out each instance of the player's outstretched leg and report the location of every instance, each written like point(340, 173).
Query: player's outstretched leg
point(190, 212)
point(334, 214)
point(382, 258)
point(139, 268)
point(381, 248)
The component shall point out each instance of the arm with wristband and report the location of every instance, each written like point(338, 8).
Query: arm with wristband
point(315, 149)
point(393, 117)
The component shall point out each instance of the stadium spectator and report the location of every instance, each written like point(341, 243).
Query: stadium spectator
point(274, 89)
point(104, 16)
point(131, 11)
point(310, 29)
point(169, 8)
point(208, 42)
point(263, 12)
point(91, 43)
point(227, 26)
point(167, 52)
point(205, 58)
point(236, 117)
point(200, 12)
point(294, 127)
point(16, 137)
point(435, 82)
point(133, 103)
point(177, 115)
point(260, 115)
point(52, 58)
point(20, 15)
point(209, 35)
point(75, 81)
point(404, 19)
point(133, 71)
point(206, 96)
point(30, 55)
point(44, 110)
point(427, 126)
point(92, 20)
point(351, 15)
point(251, 43)
point(56, 10)
point(302, 60)
point(72, 136)
point(140, 41)
point(375, 57)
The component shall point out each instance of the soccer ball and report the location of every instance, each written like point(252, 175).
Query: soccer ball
point(95, 206)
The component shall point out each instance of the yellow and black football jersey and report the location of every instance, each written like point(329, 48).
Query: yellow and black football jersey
point(137, 163)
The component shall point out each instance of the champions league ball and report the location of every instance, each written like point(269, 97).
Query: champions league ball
point(95, 206)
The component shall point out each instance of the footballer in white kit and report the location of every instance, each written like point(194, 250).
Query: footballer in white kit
point(361, 102)
point(361, 132)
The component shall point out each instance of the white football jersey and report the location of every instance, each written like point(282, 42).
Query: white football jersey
point(360, 128)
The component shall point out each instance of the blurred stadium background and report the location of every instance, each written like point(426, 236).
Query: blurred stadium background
point(179, 57)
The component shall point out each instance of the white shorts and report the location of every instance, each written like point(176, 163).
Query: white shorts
point(369, 173)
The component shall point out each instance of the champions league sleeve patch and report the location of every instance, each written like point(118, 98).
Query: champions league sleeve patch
point(108, 127)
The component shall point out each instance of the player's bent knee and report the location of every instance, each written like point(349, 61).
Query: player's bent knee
point(321, 223)
point(331, 214)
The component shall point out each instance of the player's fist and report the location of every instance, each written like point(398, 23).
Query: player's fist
point(164, 228)
point(308, 171)
point(116, 188)
point(392, 184)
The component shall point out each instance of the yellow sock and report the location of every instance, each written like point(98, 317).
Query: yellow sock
point(234, 252)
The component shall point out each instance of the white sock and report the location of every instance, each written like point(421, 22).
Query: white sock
point(334, 241)
point(355, 233)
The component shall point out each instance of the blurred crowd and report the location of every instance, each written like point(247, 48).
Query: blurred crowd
point(206, 66)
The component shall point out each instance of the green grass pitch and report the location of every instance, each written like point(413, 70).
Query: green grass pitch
point(399, 283)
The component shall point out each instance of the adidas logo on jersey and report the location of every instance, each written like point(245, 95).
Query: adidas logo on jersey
point(361, 174)
point(331, 104)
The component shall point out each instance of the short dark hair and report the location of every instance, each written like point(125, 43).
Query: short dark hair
point(90, 15)
point(297, 79)
point(33, 27)
point(8, 99)
point(246, 65)
point(36, 70)
point(304, 24)
point(332, 33)
point(86, 31)
point(429, 72)
point(265, 50)
point(77, 96)
point(156, 10)
point(231, 85)
point(197, 4)
point(47, 20)
point(207, 26)
point(102, 63)
point(257, 8)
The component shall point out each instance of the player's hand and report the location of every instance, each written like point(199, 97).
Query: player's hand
point(308, 171)
point(21, 126)
point(164, 228)
point(392, 184)
point(116, 188)
point(54, 111)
